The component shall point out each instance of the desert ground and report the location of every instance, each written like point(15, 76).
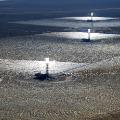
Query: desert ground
point(92, 93)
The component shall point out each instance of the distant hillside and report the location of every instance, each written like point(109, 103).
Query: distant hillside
point(67, 3)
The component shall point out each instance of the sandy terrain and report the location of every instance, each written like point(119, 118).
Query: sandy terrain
point(88, 94)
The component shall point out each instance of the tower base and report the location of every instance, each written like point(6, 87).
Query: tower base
point(86, 40)
point(42, 76)
point(89, 20)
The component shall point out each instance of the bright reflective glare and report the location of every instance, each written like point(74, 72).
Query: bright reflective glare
point(71, 24)
point(88, 18)
point(32, 67)
point(81, 35)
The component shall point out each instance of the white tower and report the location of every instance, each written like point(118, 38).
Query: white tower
point(89, 31)
point(47, 66)
point(92, 14)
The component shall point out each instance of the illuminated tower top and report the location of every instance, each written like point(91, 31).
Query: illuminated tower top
point(92, 14)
